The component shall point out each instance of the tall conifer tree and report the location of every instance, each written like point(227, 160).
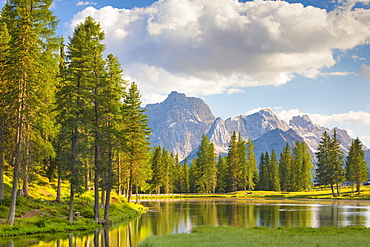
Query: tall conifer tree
point(136, 133)
point(356, 165)
point(31, 26)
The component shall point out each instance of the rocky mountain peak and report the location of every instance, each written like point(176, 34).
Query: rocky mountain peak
point(301, 121)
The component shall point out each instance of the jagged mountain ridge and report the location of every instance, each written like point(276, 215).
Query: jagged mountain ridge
point(179, 122)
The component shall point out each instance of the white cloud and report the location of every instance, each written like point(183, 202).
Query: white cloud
point(209, 47)
point(85, 3)
point(234, 91)
point(337, 73)
point(365, 71)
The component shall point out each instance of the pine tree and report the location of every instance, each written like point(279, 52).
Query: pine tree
point(4, 114)
point(264, 178)
point(206, 167)
point(112, 90)
point(222, 169)
point(252, 170)
point(157, 169)
point(302, 167)
point(136, 134)
point(274, 173)
point(330, 162)
point(243, 163)
point(234, 170)
point(356, 165)
point(286, 169)
point(31, 26)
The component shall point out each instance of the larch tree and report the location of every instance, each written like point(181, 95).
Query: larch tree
point(356, 165)
point(31, 72)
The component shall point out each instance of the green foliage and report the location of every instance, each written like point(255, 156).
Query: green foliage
point(330, 162)
point(204, 172)
point(356, 165)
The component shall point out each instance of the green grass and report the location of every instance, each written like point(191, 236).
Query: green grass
point(262, 237)
point(53, 216)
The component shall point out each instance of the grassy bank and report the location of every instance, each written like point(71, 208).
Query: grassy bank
point(262, 237)
point(40, 214)
point(315, 193)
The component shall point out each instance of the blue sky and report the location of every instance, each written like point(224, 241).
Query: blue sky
point(295, 57)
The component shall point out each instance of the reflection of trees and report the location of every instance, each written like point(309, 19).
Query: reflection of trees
point(293, 215)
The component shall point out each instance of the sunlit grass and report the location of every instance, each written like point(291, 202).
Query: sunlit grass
point(262, 237)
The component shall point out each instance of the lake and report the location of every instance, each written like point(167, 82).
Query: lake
point(180, 216)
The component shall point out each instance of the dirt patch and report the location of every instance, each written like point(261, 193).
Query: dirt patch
point(31, 213)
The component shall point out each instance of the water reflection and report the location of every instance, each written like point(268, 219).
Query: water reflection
point(180, 216)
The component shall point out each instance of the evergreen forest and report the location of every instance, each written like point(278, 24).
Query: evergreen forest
point(67, 114)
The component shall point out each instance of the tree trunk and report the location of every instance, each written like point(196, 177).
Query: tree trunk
point(73, 173)
point(109, 186)
point(58, 199)
point(119, 174)
point(332, 189)
point(16, 162)
point(103, 189)
point(358, 188)
point(129, 189)
point(25, 178)
point(338, 192)
point(96, 179)
point(137, 194)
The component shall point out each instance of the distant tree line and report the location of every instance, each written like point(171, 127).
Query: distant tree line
point(238, 170)
point(65, 111)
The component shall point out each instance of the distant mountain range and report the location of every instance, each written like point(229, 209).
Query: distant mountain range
point(179, 122)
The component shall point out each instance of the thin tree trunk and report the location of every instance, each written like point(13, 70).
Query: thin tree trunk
point(338, 192)
point(58, 199)
point(129, 189)
point(109, 186)
point(119, 174)
point(25, 178)
point(96, 196)
point(96, 179)
point(332, 189)
point(137, 194)
point(73, 175)
point(103, 189)
point(17, 158)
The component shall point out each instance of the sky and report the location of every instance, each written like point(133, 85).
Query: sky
point(295, 57)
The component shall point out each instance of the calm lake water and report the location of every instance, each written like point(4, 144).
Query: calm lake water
point(179, 216)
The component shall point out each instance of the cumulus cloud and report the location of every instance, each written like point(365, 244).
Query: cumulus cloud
point(85, 3)
point(211, 47)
